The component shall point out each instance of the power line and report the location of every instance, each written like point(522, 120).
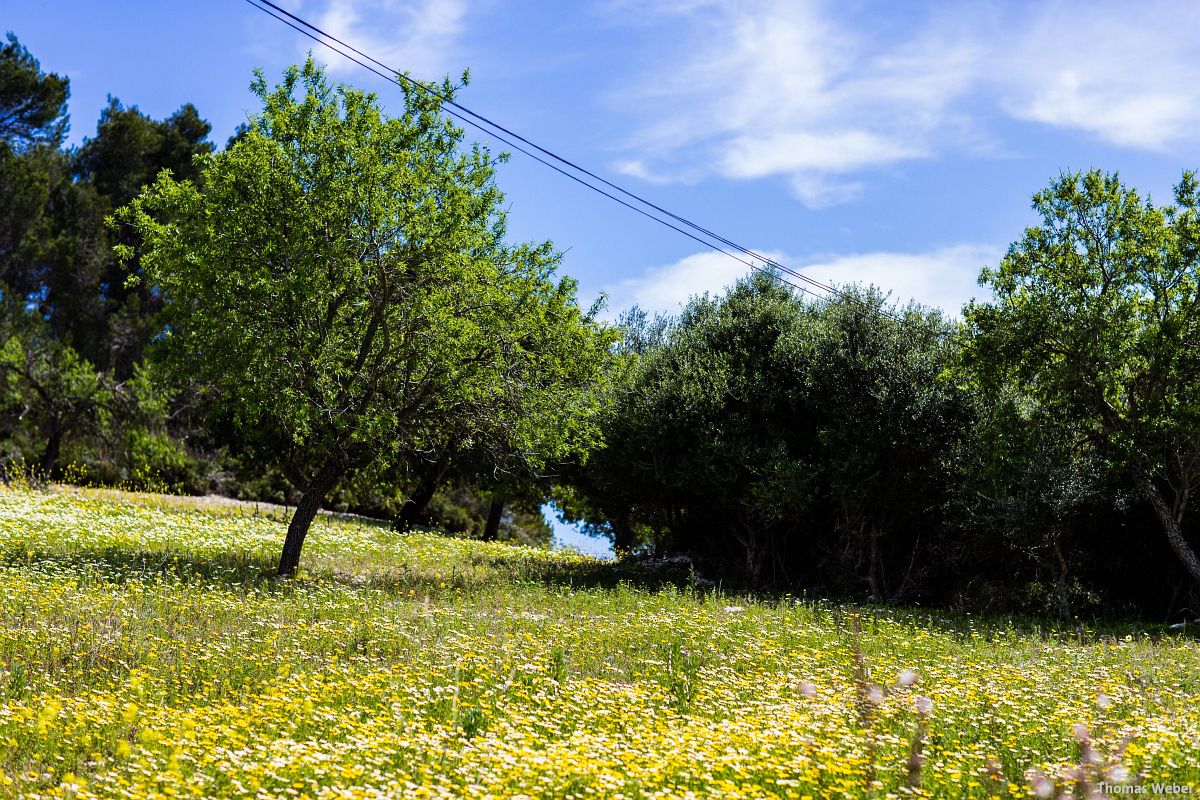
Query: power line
point(507, 136)
point(482, 120)
point(534, 156)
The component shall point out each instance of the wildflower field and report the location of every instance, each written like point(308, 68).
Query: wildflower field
point(146, 652)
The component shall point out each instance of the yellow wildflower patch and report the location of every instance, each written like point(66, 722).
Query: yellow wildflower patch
point(145, 651)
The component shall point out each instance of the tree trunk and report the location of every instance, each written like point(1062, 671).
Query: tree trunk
point(415, 505)
point(875, 568)
point(50, 456)
point(1171, 526)
point(306, 511)
point(622, 533)
point(495, 513)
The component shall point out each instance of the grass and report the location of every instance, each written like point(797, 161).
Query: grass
point(145, 651)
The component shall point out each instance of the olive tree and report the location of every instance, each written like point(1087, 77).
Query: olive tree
point(344, 281)
point(1096, 319)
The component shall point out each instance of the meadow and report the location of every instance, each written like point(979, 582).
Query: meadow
point(145, 651)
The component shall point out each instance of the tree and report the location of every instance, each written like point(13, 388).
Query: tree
point(33, 104)
point(33, 121)
point(344, 281)
point(1096, 317)
point(109, 319)
point(887, 429)
point(705, 450)
point(130, 149)
point(49, 395)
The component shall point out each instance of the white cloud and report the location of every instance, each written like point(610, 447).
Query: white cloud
point(1129, 74)
point(803, 152)
point(666, 288)
point(804, 90)
point(417, 36)
point(784, 88)
point(944, 277)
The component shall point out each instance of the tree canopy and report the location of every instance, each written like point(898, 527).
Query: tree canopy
point(33, 103)
point(1096, 319)
point(344, 280)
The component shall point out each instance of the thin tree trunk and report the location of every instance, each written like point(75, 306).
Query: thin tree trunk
point(50, 456)
point(306, 511)
point(1171, 526)
point(622, 533)
point(415, 505)
point(874, 568)
point(495, 512)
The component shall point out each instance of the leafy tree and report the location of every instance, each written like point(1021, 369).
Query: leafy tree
point(33, 104)
point(28, 181)
point(887, 431)
point(33, 121)
point(111, 319)
point(791, 441)
point(343, 280)
point(1096, 318)
point(49, 395)
point(1034, 507)
point(704, 448)
point(130, 149)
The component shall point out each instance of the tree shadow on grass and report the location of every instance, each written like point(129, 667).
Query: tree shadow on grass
point(119, 565)
point(255, 571)
point(999, 628)
point(248, 570)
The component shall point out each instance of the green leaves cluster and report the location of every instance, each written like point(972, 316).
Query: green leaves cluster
point(343, 281)
point(767, 434)
point(1096, 321)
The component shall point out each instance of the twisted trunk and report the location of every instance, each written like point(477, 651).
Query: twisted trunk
point(1171, 521)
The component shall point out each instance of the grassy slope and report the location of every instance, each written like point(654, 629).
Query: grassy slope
point(143, 650)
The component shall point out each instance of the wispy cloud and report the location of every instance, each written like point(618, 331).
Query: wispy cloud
point(804, 90)
point(1127, 73)
point(944, 278)
point(417, 36)
point(786, 88)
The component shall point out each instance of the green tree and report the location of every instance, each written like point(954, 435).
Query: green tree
point(704, 449)
point(1096, 318)
point(887, 429)
point(791, 441)
point(344, 280)
point(109, 319)
point(48, 394)
point(33, 121)
point(33, 104)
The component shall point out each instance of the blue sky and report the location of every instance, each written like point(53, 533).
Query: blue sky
point(895, 143)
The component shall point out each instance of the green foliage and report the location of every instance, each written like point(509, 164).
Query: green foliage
point(888, 428)
point(130, 149)
point(50, 396)
point(33, 104)
point(784, 438)
point(1096, 320)
point(463, 509)
point(343, 282)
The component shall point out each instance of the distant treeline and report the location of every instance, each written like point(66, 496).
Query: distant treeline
point(1036, 452)
point(840, 448)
